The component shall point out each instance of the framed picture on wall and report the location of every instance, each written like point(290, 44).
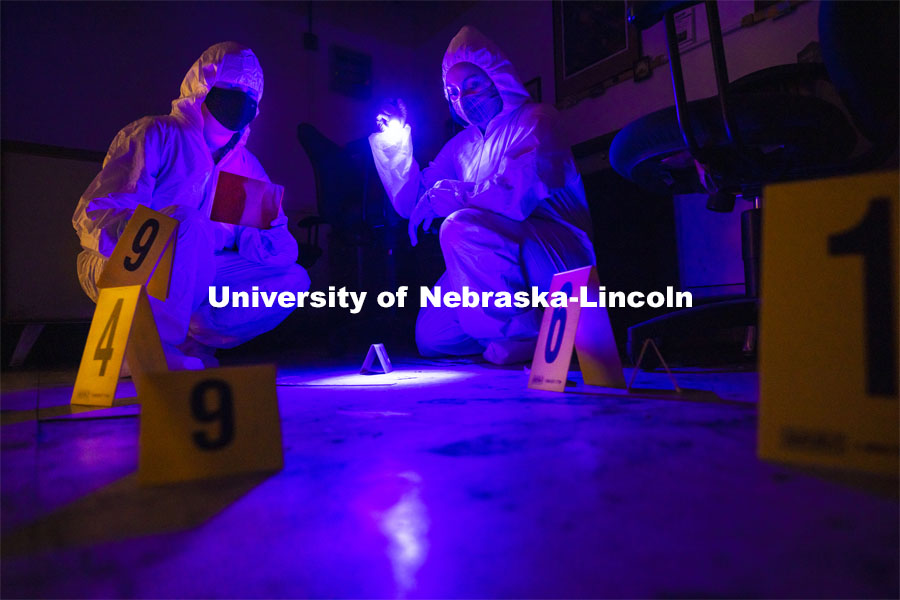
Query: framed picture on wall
point(351, 72)
point(592, 42)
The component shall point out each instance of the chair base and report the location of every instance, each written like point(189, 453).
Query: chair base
point(679, 331)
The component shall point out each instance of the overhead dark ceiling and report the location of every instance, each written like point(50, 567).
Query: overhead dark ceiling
point(409, 23)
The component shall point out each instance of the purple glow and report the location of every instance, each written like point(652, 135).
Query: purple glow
point(405, 524)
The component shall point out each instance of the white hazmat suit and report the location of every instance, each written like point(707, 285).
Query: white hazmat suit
point(164, 162)
point(516, 213)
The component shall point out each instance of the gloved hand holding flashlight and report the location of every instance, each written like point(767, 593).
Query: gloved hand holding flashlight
point(391, 121)
point(392, 113)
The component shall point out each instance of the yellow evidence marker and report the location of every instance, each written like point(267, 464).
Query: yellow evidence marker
point(586, 328)
point(143, 254)
point(210, 423)
point(828, 364)
point(122, 326)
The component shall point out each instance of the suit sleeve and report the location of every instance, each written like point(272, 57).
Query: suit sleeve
point(529, 170)
point(399, 172)
point(127, 179)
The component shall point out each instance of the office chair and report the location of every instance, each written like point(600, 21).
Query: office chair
point(763, 128)
point(352, 202)
point(341, 196)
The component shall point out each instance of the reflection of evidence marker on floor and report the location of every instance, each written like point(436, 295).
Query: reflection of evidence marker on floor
point(210, 423)
point(122, 326)
point(379, 351)
point(143, 254)
point(584, 328)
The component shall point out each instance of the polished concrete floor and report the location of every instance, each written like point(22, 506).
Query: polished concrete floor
point(443, 479)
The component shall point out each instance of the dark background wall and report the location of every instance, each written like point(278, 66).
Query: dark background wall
point(73, 73)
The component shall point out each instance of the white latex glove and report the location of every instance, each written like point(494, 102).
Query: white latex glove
point(423, 215)
point(448, 196)
point(279, 220)
point(391, 110)
point(223, 233)
point(393, 138)
point(275, 246)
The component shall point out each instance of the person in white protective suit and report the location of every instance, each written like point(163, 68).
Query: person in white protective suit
point(170, 163)
point(507, 184)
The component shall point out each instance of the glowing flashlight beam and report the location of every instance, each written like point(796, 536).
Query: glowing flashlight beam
point(393, 130)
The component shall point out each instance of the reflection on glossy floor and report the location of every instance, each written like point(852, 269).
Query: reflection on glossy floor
point(443, 479)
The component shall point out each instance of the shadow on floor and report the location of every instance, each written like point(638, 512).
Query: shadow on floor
point(124, 510)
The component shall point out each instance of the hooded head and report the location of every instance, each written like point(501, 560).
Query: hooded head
point(228, 64)
point(471, 46)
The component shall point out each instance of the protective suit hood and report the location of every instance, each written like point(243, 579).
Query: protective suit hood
point(228, 62)
point(470, 45)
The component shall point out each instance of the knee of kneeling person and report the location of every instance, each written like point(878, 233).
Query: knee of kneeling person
point(296, 278)
point(194, 227)
point(459, 224)
point(424, 342)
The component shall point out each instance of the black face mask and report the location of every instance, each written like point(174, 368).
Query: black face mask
point(234, 109)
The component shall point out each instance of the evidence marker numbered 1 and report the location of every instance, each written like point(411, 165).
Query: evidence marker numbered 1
point(143, 255)
point(829, 357)
point(210, 423)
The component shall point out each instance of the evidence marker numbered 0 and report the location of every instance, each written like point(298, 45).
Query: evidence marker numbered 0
point(586, 329)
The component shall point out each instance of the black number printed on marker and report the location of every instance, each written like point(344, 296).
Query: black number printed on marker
point(871, 238)
point(141, 249)
point(104, 353)
point(223, 413)
point(557, 327)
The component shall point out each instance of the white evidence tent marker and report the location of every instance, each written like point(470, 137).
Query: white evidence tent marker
point(376, 351)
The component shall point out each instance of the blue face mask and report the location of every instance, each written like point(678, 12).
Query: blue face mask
point(234, 109)
point(480, 108)
point(456, 116)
